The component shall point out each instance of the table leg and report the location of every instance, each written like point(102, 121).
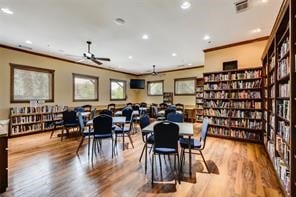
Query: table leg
point(123, 136)
point(190, 172)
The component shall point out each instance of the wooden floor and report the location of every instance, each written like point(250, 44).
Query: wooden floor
point(39, 166)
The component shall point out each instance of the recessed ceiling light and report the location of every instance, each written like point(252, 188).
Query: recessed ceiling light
point(119, 21)
point(257, 30)
point(130, 57)
point(190, 64)
point(206, 37)
point(174, 54)
point(145, 36)
point(264, 1)
point(28, 41)
point(119, 66)
point(7, 11)
point(185, 5)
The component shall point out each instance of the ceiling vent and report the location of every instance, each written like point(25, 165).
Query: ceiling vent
point(241, 5)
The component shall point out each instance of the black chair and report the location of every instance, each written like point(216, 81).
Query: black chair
point(106, 112)
point(153, 110)
point(143, 104)
point(147, 138)
point(129, 104)
point(87, 108)
point(180, 107)
point(166, 135)
point(169, 110)
point(136, 117)
point(70, 121)
point(195, 144)
point(56, 123)
point(102, 129)
point(175, 117)
point(163, 106)
point(111, 107)
point(84, 133)
point(93, 113)
point(126, 129)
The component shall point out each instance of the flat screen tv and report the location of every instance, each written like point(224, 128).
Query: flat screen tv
point(137, 84)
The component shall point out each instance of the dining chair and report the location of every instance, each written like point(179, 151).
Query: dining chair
point(175, 117)
point(147, 138)
point(166, 135)
point(143, 104)
point(87, 108)
point(84, 132)
point(180, 107)
point(102, 129)
point(55, 123)
point(106, 112)
point(69, 121)
point(111, 107)
point(196, 145)
point(125, 129)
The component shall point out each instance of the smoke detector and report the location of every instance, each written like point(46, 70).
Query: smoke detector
point(241, 5)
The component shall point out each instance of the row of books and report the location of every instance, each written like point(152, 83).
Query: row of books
point(233, 113)
point(284, 48)
point(272, 91)
point(244, 84)
point(283, 150)
point(245, 104)
point(248, 74)
point(25, 128)
point(199, 89)
point(283, 172)
point(41, 109)
point(283, 68)
point(284, 109)
point(216, 77)
point(246, 123)
point(215, 86)
point(284, 131)
point(217, 104)
point(284, 90)
point(26, 119)
point(199, 101)
point(233, 95)
point(235, 133)
point(272, 62)
point(199, 95)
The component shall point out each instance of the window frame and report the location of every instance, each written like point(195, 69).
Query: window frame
point(34, 69)
point(158, 81)
point(124, 89)
point(83, 76)
point(184, 79)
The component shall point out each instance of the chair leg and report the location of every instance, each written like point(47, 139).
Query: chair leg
point(204, 161)
point(178, 168)
point(112, 147)
point(62, 134)
point(175, 171)
point(53, 130)
point(181, 162)
point(152, 169)
point(81, 142)
point(160, 166)
point(130, 138)
point(142, 152)
point(88, 148)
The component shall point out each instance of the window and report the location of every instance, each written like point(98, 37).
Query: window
point(155, 88)
point(31, 83)
point(185, 86)
point(117, 89)
point(85, 88)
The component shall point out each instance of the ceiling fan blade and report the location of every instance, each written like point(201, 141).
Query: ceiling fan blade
point(96, 61)
point(103, 59)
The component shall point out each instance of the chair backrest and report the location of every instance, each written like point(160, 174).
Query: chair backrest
point(87, 108)
point(127, 112)
point(80, 121)
point(78, 109)
point(136, 108)
point(93, 113)
point(204, 132)
point(102, 124)
point(169, 110)
point(163, 106)
point(129, 104)
point(111, 106)
point(175, 117)
point(143, 104)
point(144, 121)
point(69, 117)
point(166, 135)
point(179, 107)
point(106, 112)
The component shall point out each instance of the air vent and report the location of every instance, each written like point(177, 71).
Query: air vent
point(24, 47)
point(241, 5)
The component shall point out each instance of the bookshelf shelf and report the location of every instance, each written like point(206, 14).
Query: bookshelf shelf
point(199, 99)
point(234, 104)
point(279, 63)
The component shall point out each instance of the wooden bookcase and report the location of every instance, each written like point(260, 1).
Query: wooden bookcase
point(168, 98)
point(233, 104)
point(27, 120)
point(199, 99)
point(279, 65)
point(3, 163)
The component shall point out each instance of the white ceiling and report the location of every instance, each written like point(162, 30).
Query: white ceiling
point(61, 27)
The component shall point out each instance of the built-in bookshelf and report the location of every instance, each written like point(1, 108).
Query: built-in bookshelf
point(168, 98)
point(199, 99)
point(279, 62)
point(233, 104)
point(26, 120)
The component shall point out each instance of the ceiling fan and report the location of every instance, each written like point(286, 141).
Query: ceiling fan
point(90, 56)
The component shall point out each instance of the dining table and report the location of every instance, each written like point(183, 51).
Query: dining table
point(116, 120)
point(185, 129)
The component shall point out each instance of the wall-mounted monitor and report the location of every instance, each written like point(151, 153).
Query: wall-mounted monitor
point(137, 84)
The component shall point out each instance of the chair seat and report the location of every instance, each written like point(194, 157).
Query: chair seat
point(87, 132)
point(102, 136)
point(71, 125)
point(184, 143)
point(59, 123)
point(165, 150)
point(119, 129)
